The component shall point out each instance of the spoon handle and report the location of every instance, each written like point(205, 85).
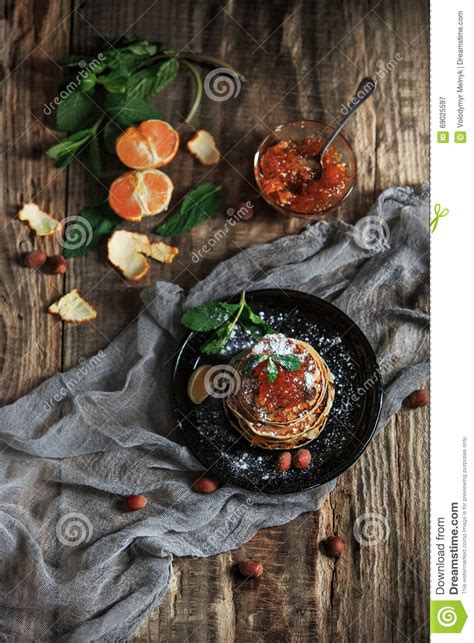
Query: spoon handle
point(364, 89)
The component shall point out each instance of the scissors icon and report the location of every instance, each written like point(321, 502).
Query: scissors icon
point(439, 214)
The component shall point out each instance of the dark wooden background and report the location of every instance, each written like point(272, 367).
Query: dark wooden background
point(302, 59)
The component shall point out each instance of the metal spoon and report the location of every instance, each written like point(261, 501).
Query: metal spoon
point(365, 89)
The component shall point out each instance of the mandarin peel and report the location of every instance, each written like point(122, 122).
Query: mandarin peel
point(129, 252)
point(42, 224)
point(203, 147)
point(73, 308)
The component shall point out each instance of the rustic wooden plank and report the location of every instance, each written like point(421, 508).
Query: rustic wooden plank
point(30, 340)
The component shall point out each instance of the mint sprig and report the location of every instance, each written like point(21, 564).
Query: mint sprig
point(288, 362)
point(221, 318)
point(110, 90)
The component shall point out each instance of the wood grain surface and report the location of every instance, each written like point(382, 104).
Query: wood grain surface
point(302, 59)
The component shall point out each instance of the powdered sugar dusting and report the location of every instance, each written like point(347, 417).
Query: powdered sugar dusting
point(277, 344)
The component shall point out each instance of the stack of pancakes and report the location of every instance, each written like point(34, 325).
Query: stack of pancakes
point(291, 411)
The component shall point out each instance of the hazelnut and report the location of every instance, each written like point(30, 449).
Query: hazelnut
point(418, 398)
point(284, 461)
point(244, 211)
point(34, 259)
point(57, 265)
point(302, 459)
point(133, 503)
point(334, 546)
point(205, 484)
point(251, 568)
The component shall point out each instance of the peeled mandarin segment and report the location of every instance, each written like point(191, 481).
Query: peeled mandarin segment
point(197, 392)
point(156, 189)
point(162, 139)
point(133, 150)
point(122, 198)
point(151, 144)
point(140, 193)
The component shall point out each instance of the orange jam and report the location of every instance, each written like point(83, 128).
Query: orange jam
point(286, 391)
point(288, 177)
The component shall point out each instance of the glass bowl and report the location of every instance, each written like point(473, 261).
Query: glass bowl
point(296, 131)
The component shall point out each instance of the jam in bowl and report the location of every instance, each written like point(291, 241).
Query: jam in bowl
point(285, 169)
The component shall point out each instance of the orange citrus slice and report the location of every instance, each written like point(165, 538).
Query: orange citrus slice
point(140, 193)
point(148, 145)
point(197, 392)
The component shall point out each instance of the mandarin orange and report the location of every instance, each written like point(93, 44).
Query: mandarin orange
point(140, 193)
point(151, 144)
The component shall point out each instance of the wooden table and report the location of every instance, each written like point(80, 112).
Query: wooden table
point(301, 59)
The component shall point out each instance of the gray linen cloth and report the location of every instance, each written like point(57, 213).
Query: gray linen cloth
point(73, 566)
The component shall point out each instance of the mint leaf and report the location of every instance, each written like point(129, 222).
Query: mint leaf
point(254, 324)
point(218, 339)
point(126, 110)
point(88, 82)
point(272, 370)
point(115, 83)
point(71, 61)
point(255, 331)
point(93, 158)
point(139, 47)
point(69, 144)
point(289, 362)
point(66, 150)
point(143, 49)
point(252, 362)
point(128, 59)
point(208, 316)
point(111, 131)
point(73, 110)
point(150, 81)
point(90, 227)
point(198, 205)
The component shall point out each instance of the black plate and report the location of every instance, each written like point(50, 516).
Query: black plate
point(353, 418)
